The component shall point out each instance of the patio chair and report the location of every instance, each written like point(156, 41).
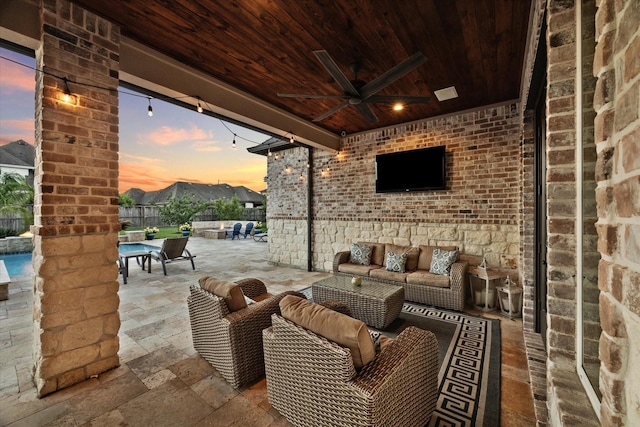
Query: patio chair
point(227, 331)
point(173, 249)
point(248, 229)
point(235, 232)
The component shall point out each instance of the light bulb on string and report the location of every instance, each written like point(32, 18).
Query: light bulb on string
point(292, 139)
point(150, 109)
point(269, 153)
point(199, 107)
point(233, 144)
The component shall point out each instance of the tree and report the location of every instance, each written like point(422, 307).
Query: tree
point(16, 195)
point(227, 209)
point(180, 211)
point(125, 200)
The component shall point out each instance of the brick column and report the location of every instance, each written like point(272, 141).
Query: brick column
point(76, 302)
point(617, 137)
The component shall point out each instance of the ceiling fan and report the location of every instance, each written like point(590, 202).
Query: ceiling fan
point(359, 93)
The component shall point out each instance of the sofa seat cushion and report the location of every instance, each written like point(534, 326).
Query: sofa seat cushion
point(426, 253)
point(377, 255)
point(230, 292)
point(421, 277)
point(411, 251)
point(361, 270)
point(385, 274)
point(337, 327)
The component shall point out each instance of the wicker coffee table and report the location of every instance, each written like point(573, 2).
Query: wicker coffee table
point(375, 303)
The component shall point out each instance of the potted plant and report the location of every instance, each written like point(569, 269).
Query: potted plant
point(150, 232)
point(185, 228)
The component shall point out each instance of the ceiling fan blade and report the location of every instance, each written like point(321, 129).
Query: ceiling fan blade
point(311, 96)
point(392, 75)
point(391, 99)
point(335, 72)
point(331, 111)
point(367, 112)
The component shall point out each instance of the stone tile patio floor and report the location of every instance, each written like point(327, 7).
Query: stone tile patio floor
point(162, 381)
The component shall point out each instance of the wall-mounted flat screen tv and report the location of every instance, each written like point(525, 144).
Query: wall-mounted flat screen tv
point(414, 170)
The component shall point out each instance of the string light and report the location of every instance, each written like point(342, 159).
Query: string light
point(233, 144)
point(68, 97)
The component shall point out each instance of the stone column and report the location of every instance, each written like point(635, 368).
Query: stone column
point(76, 302)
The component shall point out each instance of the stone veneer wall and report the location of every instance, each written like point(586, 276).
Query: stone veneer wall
point(76, 319)
point(479, 211)
point(617, 137)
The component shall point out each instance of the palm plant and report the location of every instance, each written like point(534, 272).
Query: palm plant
point(16, 195)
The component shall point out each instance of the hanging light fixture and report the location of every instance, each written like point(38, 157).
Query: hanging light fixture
point(292, 139)
point(199, 107)
point(66, 96)
point(150, 109)
point(233, 144)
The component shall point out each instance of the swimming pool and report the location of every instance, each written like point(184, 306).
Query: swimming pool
point(20, 264)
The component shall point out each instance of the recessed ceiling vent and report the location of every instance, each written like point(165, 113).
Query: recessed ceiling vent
point(446, 93)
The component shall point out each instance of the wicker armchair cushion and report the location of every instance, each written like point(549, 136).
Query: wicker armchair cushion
point(426, 253)
point(377, 256)
point(411, 251)
point(337, 327)
point(230, 292)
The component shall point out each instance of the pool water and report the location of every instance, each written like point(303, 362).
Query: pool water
point(20, 264)
point(136, 247)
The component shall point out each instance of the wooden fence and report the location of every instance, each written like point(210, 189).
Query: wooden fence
point(149, 216)
point(140, 216)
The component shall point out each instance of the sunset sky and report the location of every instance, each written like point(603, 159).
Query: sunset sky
point(176, 144)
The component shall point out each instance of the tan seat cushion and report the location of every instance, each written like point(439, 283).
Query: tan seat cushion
point(426, 253)
point(377, 256)
point(383, 273)
point(361, 270)
point(421, 277)
point(411, 251)
point(337, 327)
point(229, 291)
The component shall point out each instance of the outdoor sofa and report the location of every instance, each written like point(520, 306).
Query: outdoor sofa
point(439, 281)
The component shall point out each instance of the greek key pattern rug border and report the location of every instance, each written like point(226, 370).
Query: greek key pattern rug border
point(462, 382)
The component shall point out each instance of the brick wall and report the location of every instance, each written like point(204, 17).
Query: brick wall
point(76, 317)
point(479, 211)
point(617, 130)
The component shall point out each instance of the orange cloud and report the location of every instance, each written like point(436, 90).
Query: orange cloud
point(206, 146)
point(167, 135)
point(16, 78)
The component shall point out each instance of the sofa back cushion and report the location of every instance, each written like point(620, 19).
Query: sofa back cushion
point(337, 327)
point(411, 251)
point(377, 256)
point(426, 253)
point(229, 291)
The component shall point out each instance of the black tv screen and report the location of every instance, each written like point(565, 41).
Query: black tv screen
point(414, 170)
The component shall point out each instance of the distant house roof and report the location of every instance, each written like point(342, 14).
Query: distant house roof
point(206, 192)
point(18, 153)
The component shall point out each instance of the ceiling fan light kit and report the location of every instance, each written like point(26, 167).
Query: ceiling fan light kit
point(358, 93)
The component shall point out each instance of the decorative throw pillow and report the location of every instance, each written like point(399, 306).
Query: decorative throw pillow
point(396, 262)
point(441, 261)
point(360, 254)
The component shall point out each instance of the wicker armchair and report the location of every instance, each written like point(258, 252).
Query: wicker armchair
point(312, 381)
point(232, 341)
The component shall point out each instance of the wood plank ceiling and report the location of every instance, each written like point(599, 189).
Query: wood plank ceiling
point(265, 47)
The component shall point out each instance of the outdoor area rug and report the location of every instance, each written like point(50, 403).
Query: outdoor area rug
point(469, 355)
